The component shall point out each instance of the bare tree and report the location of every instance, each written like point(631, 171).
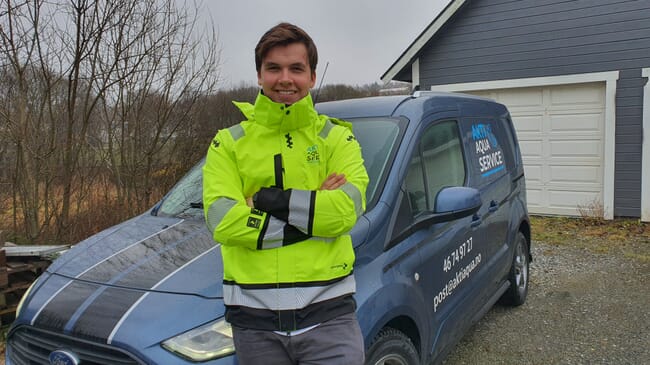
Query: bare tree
point(22, 112)
point(97, 84)
point(152, 107)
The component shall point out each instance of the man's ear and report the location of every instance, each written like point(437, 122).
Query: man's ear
point(313, 79)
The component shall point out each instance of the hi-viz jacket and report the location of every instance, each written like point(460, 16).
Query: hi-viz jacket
point(288, 261)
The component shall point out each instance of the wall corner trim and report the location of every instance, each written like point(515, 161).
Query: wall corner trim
point(645, 156)
point(415, 70)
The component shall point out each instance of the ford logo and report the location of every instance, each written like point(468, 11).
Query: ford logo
point(63, 357)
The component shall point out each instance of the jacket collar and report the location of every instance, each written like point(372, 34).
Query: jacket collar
point(280, 116)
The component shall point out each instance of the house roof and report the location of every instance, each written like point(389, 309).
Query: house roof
point(411, 52)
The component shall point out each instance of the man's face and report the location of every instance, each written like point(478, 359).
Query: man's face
point(285, 74)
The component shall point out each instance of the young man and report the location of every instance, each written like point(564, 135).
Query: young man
point(281, 191)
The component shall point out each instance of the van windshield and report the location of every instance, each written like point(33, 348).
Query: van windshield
point(378, 139)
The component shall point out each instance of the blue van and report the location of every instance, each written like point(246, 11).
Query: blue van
point(445, 236)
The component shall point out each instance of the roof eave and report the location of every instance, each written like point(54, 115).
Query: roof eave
point(411, 52)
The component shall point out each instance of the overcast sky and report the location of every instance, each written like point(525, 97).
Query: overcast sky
point(359, 38)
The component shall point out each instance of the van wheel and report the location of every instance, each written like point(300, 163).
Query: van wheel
point(392, 347)
point(518, 277)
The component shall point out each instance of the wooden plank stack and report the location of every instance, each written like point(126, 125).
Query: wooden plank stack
point(17, 273)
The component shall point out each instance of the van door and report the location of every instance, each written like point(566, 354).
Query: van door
point(491, 161)
point(447, 250)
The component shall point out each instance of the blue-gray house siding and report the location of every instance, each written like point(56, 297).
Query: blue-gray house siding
point(488, 40)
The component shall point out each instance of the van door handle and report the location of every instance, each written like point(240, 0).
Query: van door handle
point(494, 206)
point(476, 220)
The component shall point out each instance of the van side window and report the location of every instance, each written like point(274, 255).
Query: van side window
point(415, 186)
point(514, 154)
point(438, 163)
point(490, 151)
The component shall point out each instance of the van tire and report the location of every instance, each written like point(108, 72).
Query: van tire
point(393, 347)
point(518, 276)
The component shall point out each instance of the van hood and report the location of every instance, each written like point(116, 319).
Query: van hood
point(131, 284)
point(149, 253)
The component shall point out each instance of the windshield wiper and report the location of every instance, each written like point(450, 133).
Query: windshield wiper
point(183, 213)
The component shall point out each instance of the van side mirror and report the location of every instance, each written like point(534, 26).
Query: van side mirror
point(451, 203)
point(458, 201)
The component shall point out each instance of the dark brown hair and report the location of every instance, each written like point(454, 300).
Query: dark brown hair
point(285, 34)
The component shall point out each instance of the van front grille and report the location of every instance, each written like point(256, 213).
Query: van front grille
point(32, 346)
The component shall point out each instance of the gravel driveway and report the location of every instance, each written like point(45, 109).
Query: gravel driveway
point(582, 308)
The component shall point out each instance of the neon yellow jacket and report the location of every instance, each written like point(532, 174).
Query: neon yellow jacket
point(293, 250)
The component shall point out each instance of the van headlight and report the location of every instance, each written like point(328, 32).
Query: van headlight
point(210, 341)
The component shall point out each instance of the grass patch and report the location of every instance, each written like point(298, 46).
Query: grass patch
point(627, 235)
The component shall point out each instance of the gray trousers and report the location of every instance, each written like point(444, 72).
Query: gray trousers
point(335, 342)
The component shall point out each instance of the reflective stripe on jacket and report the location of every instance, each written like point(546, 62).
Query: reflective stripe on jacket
point(294, 249)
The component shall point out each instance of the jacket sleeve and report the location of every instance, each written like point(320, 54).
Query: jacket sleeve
point(230, 220)
point(324, 213)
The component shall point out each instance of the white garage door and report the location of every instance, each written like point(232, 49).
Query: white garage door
point(560, 131)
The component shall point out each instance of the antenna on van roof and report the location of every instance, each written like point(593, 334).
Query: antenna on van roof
point(321, 82)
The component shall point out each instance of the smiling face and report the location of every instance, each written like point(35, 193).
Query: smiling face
point(285, 75)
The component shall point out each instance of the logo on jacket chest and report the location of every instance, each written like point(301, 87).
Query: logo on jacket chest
point(289, 140)
point(312, 154)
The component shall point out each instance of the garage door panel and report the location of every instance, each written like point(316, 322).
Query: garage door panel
point(576, 122)
point(571, 199)
point(591, 93)
point(578, 174)
point(533, 173)
point(527, 123)
point(592, 148)
point(531, 148)
point(558, 162)
point(573, 109)
point(521, 96)
point(572, 187)
point(582, 136)
point(534, 198)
